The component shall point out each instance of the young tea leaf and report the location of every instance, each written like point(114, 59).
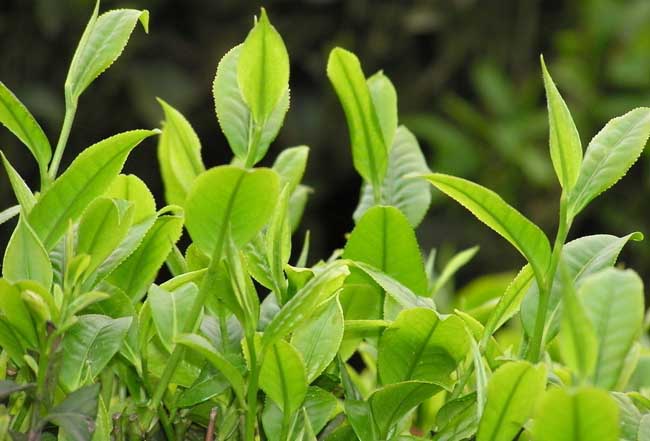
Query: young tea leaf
point(384, 98)
point(493, 211)
point(566, 148)
point(179, 155)
point(101, 44)
point(369, 150)
point(283, 376)
point(15, 117)
point(169, 311)
point(25, 258)
point(17, 316)
point(263, 69)
point(576, 416)
point(512, 393)
point(241, 207)
point(411, 196)
point(89, 175)
point(609, 156)
point(133, 189)
point(24, 195)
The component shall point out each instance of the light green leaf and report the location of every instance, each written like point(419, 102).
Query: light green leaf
point(138, 271)
point(242, 206)
point(17, 316)
point(88, 346)
point(493, 211)
point(582, 257)
point(457, 419)
point(263, 69)
point(318, 340)
point(242, 297)
point(234, 115)
point(25, 258)
point(609, 155)
point(369, 149)
point(179, 155)
point(576, 415)
point(24, 195)
point(384, 239)
point(290, 165)
point(411, 196)
point(578, 341)
point(419, 345)
point(322, 287)
point(455, 263)
point(88, 176)
point(644, 429)
point(169, 311)
point(102, 42)
point(613, 300)
point(283, 376)
point(103, 225)
point(512, 393)
point(15, 117)
point(9, 213)
point(278, 244)
point(391, 403)
point(133, 189)
point(384, 99)
point(564, 140)
point(202, 346)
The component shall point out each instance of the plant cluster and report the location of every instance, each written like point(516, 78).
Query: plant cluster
point(243, 342)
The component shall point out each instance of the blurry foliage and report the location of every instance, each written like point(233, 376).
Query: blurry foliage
point(467, 73)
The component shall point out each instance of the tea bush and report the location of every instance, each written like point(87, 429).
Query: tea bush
point(246, 340)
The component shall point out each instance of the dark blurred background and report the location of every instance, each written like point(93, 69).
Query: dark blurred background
point(466, 71)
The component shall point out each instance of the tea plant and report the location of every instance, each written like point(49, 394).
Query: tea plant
point(246, 341)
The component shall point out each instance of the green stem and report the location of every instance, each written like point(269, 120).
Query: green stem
point(254, 136)
point(70, 111)
point(253, 386)
point(206, 287)
point(535, 349)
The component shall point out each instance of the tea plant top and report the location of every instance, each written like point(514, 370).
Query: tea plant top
point(246, 340)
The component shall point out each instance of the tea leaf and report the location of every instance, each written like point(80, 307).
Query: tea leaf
point(101, 44)
point(566, 148)
point(263, 69)
point(89, 175)
point(133, 189)
point(369, 150)
point(578, 341)
point(103, 225)
point(384, 239)
point(390, 403)
point(234, 115)
point(411, 196)
point(283, 377)
point(24, 195)
point(323, 286)
point(613, 300)
point(170, 310)
point(76, 414)
point(138, 271)
point(455, 263)
point(576, 416)
point(582, 257)
point(512, 393)
point(278, 244)
point(203, 347)
point(384, 99)
point(419, 345)
point(88, 346)
point(318, 340)
point(290, 165)
point(242, 206)
point(179, 155)
point(15, 117)
point(493, 211)
point(17, 316)
point(609, 155)
point(25, 258)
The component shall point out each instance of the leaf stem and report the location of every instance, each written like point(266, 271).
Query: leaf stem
point(546, 285)
point(255, 135)
point(70, 111)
